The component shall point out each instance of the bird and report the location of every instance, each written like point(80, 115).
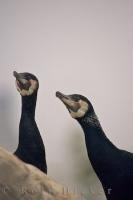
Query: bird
point(30, 148)
point(113, 166)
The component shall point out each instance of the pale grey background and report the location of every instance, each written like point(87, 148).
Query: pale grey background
point(76, 46)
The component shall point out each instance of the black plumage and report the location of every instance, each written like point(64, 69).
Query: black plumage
point(113, 166)
point(30, 148)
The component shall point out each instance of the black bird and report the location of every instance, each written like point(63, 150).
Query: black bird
point(113, 166)
point(30, 148)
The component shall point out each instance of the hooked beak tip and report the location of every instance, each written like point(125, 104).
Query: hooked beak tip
point(15, 74)
point(58, 94)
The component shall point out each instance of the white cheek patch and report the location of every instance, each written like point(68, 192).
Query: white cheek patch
point(30, 91)
point(17, 87)
point(81, 111)
point(77, 114)
point(32, 88)
point(34, 84)
point(23, 92)
point(24, 81)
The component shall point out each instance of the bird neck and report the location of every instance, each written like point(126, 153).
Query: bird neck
point(29, 104)
point(99, 148)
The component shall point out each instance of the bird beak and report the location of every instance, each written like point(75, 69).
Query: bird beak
point(20, 77)
point(16, 74)
point(68, 101)
point(22, 82)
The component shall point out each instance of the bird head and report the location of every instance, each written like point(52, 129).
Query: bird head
point(26, 83)
point(77, 105)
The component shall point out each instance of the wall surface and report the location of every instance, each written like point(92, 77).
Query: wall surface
point(75, 46)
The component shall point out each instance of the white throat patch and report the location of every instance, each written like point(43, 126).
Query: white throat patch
point(32, 88)
point(81, 111)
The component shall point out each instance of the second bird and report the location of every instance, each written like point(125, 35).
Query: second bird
point(30, 148)
point(113, 166)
